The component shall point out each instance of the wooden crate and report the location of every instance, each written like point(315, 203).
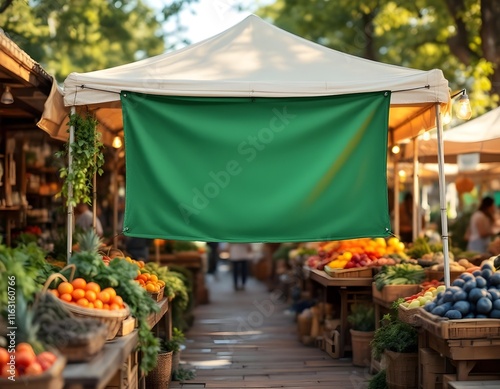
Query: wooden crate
point(332, 345)
point(432, 367)
point(459, 329)
point(391, 293)
point(357, 272)
point(439, 275)
point(408, 315)
point(128, 325)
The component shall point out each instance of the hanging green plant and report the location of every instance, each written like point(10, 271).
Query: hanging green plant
point(88, 159)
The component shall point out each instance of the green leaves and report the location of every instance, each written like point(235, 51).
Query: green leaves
point(88, 159)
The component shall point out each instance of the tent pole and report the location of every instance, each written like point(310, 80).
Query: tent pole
point(416, 193)
point(69, 221)
point(442, 196)
point(396, 196)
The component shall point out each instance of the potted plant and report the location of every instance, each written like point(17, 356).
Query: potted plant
point(161, 375)
point(398, 341)
point(174, 344)
point(362, 321)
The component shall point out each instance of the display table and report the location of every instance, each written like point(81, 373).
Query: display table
point(350, 289)
point(449, 339)
point(117, 363)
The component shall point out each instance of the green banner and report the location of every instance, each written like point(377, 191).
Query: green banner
point(256, 169)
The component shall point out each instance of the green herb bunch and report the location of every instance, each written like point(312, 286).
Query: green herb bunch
point(175, 342)
point(88, 159)
point(394, 335)
point(362, 317)
point(25, 267)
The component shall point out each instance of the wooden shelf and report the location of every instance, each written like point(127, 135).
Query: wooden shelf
point(101, 369)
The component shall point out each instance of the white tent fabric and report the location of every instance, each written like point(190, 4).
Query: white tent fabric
point(480, 135)
point(255, 58)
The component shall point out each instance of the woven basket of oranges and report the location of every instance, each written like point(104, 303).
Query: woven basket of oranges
point(152, 284)
point(86, 299)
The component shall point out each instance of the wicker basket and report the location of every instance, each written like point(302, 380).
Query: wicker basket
point(160, 376)
point(157, 296)
point(52, 378)
point(402, 370)
point(112, 319)
point(86, 349)
point(409, 316)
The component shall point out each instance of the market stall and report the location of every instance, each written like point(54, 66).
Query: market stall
point(207, 70)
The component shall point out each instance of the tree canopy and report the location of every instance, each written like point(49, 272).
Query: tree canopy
point(459, 37)
point(84, 35)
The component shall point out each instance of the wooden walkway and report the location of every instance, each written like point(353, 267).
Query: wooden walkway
point(244, 339)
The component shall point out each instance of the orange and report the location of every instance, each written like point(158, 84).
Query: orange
point(114, 307)
point(4, 356)
point(83, 302)
point(104, 296)
point(150, 288)
point(117, 300)
point(54, 292)
point(65, 287)
point(153, 278)
point(93, 286)
point(66, 297)
point(79, 283)
point(98, 304)
point(111, 292)
point(78, 294)
point(91, 295)
point(105, 306)
point(23, 346)
point(91, 305)
point(142, 277)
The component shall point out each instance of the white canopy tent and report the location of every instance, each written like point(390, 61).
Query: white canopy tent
point(255, 58)
point(480, 135)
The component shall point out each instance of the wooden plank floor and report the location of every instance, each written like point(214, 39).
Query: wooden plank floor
point(244, 339)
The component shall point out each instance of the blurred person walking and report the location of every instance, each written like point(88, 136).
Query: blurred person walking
point(239, 255)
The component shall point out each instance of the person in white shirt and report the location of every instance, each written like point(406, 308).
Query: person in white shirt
point(240, 254)
point(481, 225)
